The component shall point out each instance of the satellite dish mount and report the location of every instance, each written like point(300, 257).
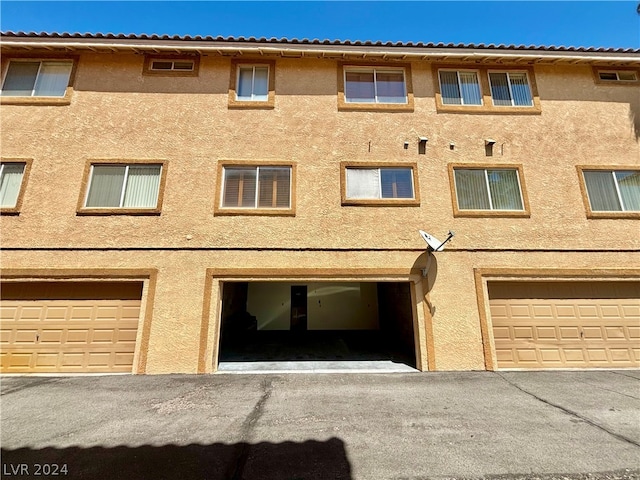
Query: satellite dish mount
point(433, 245)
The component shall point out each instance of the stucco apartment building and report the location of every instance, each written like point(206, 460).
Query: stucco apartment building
point(167, 198)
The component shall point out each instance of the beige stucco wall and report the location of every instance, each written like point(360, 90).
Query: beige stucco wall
point(116, 112)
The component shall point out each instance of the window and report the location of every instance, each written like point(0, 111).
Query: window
point(124, 188)
point(617, 76)
point(259, 189)
point(388, 184)
point(253, 83)
point(479, 190)
point(613, 190)
point(510, 89)
point(375, 88)
point(460, 88)
point(171, 65)
point(11, 181)
point(374, 85)
point(48, 78)
point(483, 89)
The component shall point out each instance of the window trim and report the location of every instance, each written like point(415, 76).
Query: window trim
point(458, 212)
point(63, 100)
point(236, 63)
point(585, 195)
point(219, 210)
point(599, 81)
point(15, 210)
point(149, 59)
point(487, 106)
point(379, 202)
point(345, 106)
point(86, 178)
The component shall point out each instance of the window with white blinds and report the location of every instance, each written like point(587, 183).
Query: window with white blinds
point(613, 190)
point(488, 189)
point(374, 85)
point(459, 87)
point(11, 175)
point(253, 83)
point(132, 186)
point(510, 89)
point(37, 78)
point(483, 88)
point(379, 183)
point(256, 187)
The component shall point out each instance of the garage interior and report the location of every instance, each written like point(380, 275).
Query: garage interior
point(316, 325)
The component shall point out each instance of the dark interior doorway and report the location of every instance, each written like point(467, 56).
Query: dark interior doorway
point(298, 308)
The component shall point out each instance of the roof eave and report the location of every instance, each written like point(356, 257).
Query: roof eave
point(321, 49)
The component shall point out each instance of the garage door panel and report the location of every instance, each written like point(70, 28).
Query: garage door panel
point(25, 337)
point(593, 333)
point(123, 359)
point(19, 360)
point(612, 311)
point(551, 355)
point(546, 333)
point(586, 312)
point(29, 314)
point(99, 359)
point(526, 355)
point(617, 333)
point(51, 336)
point(77, 336)
point(41, 360)
point(8, 313)
point(569, 333)
point(621, 355)
point(542, 311)
point(80, 313)
point(69, 335)
point(103, 336)
point(128, 335)
point(566, 311)
point(523, 332)
point(566, 330)
point(630, 311)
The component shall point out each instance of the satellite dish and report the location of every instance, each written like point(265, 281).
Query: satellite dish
point(434, 244)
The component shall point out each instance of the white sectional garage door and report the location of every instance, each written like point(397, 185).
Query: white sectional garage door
point(566, 324)
point(55, 328)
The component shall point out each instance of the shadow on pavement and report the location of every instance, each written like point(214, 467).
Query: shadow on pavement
point(264, 461)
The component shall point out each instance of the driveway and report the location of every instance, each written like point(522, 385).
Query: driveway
point(534, 425)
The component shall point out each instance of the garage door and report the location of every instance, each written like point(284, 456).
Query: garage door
point(566, 325)
point(69, 327)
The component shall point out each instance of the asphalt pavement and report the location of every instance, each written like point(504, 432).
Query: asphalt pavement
point(507, 425)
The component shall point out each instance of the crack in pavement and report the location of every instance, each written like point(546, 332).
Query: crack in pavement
point(236, 468)
point(624, 375)
point(35, 383)
point(570, 412)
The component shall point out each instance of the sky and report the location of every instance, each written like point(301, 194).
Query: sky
point(609, 24)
